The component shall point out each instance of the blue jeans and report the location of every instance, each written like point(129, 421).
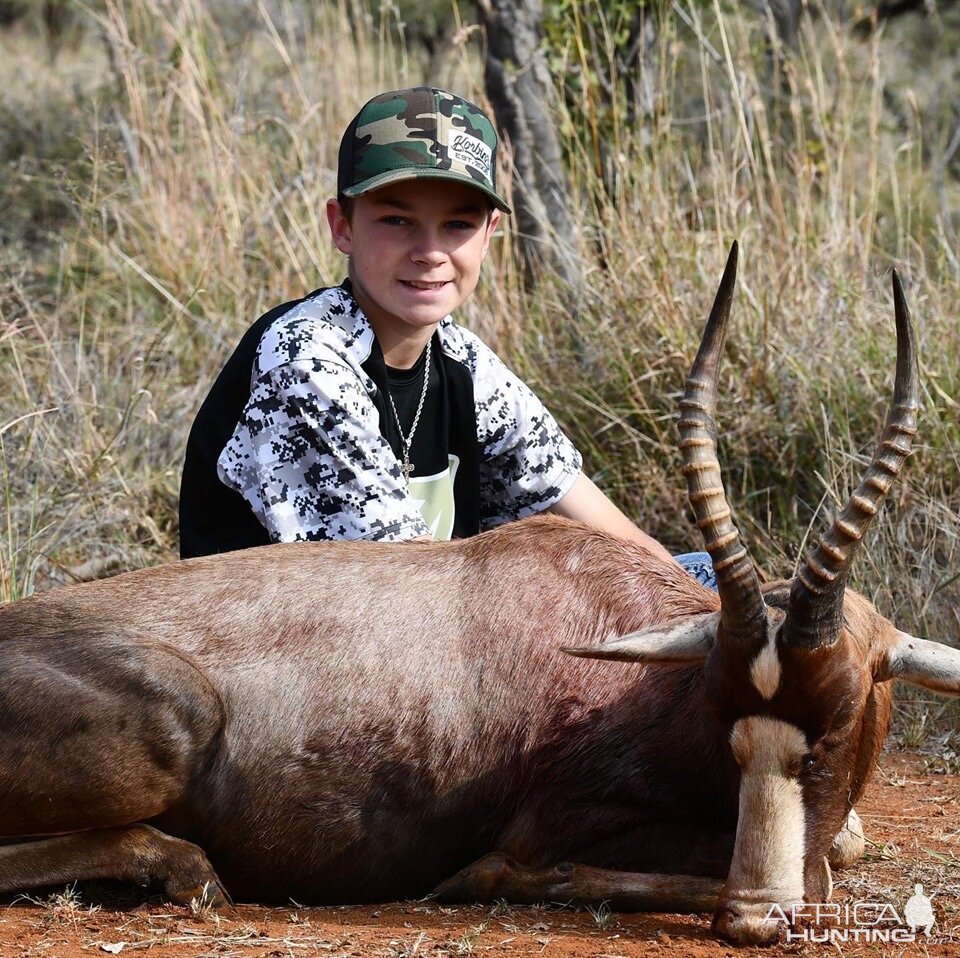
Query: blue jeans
point(700, 566)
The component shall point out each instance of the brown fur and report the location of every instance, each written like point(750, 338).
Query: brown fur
point(349, 742)
point(349, 722)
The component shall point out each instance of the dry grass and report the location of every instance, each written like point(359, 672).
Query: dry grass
point(165, 184)
point(825, 191)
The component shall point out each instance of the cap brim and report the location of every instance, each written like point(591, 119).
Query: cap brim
point(426, 173)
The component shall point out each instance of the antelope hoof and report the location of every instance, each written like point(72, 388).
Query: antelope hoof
point(849, 845)
point(198, 896)
point(187, 877)
point(479, 881)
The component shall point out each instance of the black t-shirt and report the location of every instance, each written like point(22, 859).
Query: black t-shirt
point(215, 518)
point(297, 438)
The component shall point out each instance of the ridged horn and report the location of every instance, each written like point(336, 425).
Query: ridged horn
point(742, 603)
point(816, 597)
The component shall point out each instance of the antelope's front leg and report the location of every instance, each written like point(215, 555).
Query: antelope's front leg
point(136, 853)
point(499, 876)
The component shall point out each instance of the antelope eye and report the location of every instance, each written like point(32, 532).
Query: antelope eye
point(803, 765)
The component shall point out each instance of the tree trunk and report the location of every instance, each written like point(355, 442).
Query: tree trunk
point(519, 86)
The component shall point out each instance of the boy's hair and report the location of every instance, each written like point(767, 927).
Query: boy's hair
point(346, 206)
point(418, 133)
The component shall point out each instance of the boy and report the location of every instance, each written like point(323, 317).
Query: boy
point(362, 411)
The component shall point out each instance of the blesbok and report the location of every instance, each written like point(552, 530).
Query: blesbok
point(349, 722)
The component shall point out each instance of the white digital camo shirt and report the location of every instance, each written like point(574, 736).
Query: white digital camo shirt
point(308, 456)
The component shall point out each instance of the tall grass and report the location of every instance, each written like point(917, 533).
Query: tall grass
point(182, 193)
point(793, 153)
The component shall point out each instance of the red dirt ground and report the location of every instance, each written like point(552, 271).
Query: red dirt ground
point(911, 814)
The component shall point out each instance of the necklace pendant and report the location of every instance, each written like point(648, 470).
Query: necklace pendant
point(406, 441)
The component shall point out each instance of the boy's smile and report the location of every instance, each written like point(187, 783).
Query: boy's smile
point(415, 252)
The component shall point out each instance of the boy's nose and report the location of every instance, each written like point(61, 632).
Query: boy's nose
point(427, 249)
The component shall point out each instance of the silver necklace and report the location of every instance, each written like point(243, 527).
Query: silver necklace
point(406, 441)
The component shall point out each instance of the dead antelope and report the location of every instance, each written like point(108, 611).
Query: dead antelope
point(350, 722)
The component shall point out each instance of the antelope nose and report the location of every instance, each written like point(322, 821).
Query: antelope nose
point(746, 923)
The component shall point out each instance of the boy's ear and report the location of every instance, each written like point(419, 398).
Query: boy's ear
point(493, 222)
point(339, 227)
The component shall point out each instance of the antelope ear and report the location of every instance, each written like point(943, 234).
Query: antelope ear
point(920, 662)
point(684, 641)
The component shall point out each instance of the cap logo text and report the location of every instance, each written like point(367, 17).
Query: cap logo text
point(470, 151)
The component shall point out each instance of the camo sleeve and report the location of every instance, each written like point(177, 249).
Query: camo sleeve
point(308, 457)
point(526, 462)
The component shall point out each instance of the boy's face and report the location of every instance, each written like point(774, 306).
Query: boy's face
point(415, 250)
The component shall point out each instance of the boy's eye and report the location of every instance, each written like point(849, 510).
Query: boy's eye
point(394, 220)
point(461, 225)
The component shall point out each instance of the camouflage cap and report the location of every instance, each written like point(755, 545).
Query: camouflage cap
point(420, 133)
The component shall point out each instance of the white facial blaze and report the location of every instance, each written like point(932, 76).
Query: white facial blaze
point(765, 672)
point(767, 861)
